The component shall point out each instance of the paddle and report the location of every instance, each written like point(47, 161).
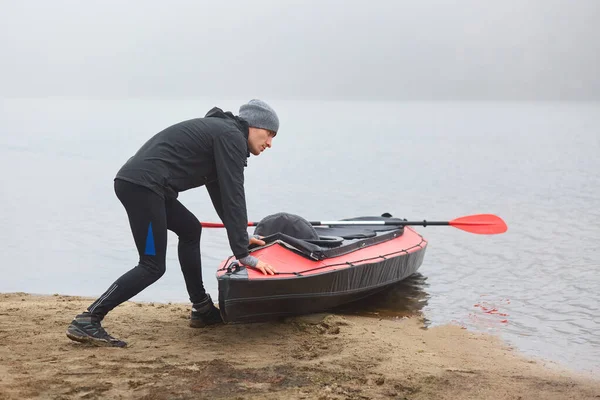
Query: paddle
point(483, 224)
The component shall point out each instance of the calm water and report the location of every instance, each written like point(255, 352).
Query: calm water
point(534, 164)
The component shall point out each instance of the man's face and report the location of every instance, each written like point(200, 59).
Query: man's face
point(259, 139)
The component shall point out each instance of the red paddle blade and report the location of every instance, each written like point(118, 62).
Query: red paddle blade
point(484, 224)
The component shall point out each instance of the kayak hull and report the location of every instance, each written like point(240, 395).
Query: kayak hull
point(305, 286)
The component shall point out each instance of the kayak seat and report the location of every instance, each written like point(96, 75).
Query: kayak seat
point(296, 227)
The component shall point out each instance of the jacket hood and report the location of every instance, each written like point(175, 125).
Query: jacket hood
point(216, 112)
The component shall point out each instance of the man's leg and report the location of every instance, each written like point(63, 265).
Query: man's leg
point(148, 222)
point(181, 221)
point(187, 227)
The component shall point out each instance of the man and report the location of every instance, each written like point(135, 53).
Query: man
point(210, 151)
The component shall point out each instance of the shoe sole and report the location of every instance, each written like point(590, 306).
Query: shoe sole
point(79, 336)
point(201, 324)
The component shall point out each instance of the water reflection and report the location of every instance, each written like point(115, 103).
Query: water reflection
point(403, 299)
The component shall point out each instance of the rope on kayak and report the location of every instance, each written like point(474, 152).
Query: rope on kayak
point(235, 267)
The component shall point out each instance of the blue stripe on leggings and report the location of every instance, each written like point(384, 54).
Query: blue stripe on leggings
point(150, 250)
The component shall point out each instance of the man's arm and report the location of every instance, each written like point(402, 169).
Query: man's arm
point(230, 152)
point(214, 191)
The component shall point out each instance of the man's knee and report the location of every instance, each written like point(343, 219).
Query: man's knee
point(192, 233)
point(154, 268)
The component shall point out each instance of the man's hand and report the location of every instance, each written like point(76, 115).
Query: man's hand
point(256, 241)
point(265, 268)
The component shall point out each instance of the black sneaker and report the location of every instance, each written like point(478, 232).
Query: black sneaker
point(204, 314)
point(86, 328)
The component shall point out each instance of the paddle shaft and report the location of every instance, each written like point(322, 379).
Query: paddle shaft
point(395, 223)
point(348, 223)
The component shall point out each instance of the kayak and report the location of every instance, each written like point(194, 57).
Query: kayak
point(318, 268)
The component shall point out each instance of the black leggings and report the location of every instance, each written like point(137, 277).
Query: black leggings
point(149, 217)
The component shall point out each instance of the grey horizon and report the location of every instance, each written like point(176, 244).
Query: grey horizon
point(377, 50)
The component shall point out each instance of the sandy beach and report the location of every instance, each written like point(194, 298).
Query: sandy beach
point(322, 356)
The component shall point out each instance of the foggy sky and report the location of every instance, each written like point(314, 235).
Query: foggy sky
point(403, 50)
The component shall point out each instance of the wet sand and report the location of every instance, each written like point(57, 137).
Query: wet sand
point(324, 356)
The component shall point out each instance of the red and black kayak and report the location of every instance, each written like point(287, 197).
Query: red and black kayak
point(318, 268)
